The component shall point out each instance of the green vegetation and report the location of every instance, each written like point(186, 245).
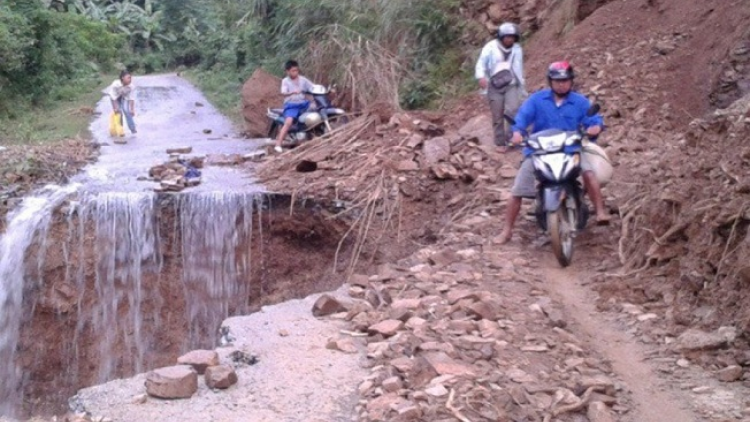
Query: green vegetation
point(386, 51)
point(221, 88)
point(48, 56)
point(56, 120)
point(397, 52)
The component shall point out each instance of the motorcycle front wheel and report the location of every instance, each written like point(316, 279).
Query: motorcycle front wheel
point(560, 225)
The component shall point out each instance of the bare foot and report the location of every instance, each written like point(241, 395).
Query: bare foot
point(602, 220)
point(505, 237)
point(502, 149)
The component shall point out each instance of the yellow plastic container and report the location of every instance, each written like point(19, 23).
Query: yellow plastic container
point(115, 125)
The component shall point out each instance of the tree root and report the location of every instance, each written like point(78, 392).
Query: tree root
point(583, 402)
point(455, 411)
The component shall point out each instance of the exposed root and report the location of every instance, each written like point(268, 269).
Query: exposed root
point(455, 411)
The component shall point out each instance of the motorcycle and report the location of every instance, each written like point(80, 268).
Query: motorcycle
point(320, 118)
point(560, 207)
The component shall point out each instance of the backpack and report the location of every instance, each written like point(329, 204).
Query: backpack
point(502, 75)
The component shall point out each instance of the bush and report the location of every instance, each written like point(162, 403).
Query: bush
point(50, 51)
point(386, 51)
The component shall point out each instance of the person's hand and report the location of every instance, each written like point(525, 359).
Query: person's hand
point(594, 130)
point(483, 83)
point(516, 139)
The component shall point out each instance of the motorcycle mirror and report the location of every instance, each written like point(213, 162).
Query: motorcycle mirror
point(594, 109)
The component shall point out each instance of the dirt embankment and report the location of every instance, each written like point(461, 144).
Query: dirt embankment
point(259, 93)
point(24, 168)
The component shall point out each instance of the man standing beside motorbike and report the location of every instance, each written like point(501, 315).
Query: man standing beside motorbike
point(555, 108)
point(499, 71)
point(293, 88)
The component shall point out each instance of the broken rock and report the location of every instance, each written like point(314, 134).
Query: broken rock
point(220, 377)
point(199, 360)
point(731, 373)
point(392, 384)
point(437, 391)
point(327, 305)
point(479, 128)
point(387, 328)
point(694, 340)
point(444, 365)
point(599, 412)
point(436, 150)
point(173, 382)
point(380, 407)
point(345, 345)
point(180, 150)
point(419, 373)
point(486, 309)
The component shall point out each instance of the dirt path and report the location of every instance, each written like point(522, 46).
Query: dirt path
point(654, 400)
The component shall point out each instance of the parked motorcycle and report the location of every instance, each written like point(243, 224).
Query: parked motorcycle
point(560, 207)
point(320, 118)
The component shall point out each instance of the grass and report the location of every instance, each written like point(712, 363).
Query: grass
point(223, 90)
point(59, 120)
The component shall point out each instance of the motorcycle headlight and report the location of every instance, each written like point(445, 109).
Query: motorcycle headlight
point(311, 119)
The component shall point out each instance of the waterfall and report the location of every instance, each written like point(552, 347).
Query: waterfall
point(147, 275)
point(26, 224)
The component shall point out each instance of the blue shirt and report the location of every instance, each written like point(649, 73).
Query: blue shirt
point(541, 112)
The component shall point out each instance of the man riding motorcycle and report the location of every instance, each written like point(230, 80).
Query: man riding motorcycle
point(555, 108)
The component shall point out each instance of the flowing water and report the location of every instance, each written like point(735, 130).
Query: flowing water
point(121, 258)
point(127, 258)
point(27, 224)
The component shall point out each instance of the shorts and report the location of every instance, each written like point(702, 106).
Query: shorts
point(524, 185)
point(294, 110)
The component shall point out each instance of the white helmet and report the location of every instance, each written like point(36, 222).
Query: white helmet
point(508, 29)
point(318, 90)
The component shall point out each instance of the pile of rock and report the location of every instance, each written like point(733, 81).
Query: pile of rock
point(181, 381)
point(178, 173)
point(443, 343)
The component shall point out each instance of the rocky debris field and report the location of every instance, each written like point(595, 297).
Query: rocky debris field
point(465, 331)
point(182, 171)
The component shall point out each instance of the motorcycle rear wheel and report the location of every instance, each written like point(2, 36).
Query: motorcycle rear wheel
point(560, 226)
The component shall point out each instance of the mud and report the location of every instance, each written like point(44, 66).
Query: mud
point(260, 92)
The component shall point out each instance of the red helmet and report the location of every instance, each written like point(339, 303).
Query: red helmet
point(560, 71)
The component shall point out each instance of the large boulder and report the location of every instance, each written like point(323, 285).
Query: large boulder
point(221, 377)
point(259, 93)
point(173, 382)
point(479, 128)
point(199, 359)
